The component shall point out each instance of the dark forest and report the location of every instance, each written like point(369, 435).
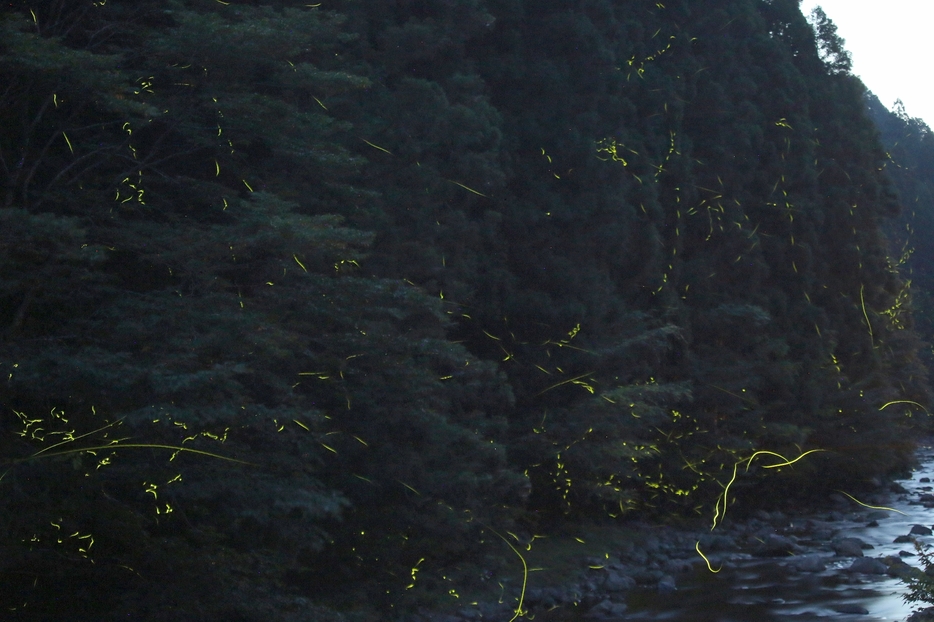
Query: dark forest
point(341, 302)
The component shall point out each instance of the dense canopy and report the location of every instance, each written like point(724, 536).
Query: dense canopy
point(335, 296)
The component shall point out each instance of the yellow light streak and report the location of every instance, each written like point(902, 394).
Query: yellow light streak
point(574, 380)
point(469, 189)
point(119, 445)
point(786, 461)
point(707, 561)
point(724, 497)
point(862, 301)
point(520, 611)
point(904, 402)
point(871, 507)
point(383, 149)
point(409, 487)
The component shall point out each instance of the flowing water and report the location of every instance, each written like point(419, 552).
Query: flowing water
point(771, 590)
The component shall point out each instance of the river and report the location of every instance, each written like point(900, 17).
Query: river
point(765, 590)
point(772, 589)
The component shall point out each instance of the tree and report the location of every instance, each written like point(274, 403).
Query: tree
point(211, 299)
point(830, 45)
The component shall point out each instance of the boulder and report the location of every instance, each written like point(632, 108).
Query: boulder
point(920, 530)
point(648, 576)
point(868, 565)
point(899, 569)
point(808, 563)
point(925, 615)
point(677, 566)
point(616, 581)
point(718, 542)
point(777, 546)
point(849, 547)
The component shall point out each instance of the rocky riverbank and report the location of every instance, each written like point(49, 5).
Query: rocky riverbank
point(658, 560)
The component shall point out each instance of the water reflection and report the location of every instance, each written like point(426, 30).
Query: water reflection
point(769, 591)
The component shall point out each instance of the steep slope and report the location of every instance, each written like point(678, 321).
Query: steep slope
point(390, 279)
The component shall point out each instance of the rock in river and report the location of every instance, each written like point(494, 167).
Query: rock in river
point(616, 581)
point(777, 546)
point(868, 565)
point(808, 563)
point(848, 547)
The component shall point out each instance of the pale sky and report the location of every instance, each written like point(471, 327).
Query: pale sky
point(892, 47)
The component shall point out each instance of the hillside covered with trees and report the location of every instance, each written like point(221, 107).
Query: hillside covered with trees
point(909, 146)
point(328, 302)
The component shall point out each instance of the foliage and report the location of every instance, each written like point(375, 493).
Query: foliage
point(921, 584)
point(211, 289)
point(909, 146)
point(433, 269)
point(829, 43)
